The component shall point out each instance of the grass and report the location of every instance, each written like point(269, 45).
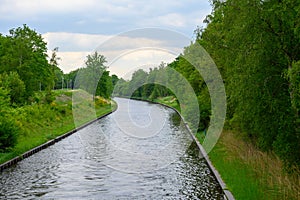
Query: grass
point(41, 122)
point(248, 172)
point(170, 101)
point(239, 178)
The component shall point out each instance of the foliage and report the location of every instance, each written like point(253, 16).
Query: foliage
point(39, 122)
point(8, 133)
point(256, 45)
point(8, 126)
point(27, 103)
point(14, 85)
point(94, 78)
point(25, 52)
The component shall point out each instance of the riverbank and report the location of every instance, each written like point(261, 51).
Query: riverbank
point(42, 122)
point(248, 172)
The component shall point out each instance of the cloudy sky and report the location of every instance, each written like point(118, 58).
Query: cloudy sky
point(129, 33)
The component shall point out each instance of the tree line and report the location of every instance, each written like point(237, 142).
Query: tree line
point(256, 47)
point(26, 70)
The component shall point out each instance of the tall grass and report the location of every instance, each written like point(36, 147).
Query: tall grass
point(251, 173)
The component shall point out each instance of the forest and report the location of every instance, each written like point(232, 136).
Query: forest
point(256, 47)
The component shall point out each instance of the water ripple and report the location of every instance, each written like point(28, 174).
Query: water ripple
point(103, 162)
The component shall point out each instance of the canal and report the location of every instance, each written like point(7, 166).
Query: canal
point(141, 151)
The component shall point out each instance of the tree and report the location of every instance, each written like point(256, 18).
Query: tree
point(95, 68)
point(94, 78)
point(56, 71)
point(256, 46)
point(25, 52)
point(138, 79)
point(14, 85)
point(121, 88)
point(71, 76)
point(105, 85)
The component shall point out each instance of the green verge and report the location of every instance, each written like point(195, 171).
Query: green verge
point(41, 122)
point(170, 101)
point(239, 178)
point(248, 172)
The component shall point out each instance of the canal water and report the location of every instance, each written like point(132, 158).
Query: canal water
point(141, 151)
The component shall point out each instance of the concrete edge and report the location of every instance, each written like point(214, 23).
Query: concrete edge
point(227, 194)
point(17, 159)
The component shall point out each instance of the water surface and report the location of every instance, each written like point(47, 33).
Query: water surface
point(141, 151)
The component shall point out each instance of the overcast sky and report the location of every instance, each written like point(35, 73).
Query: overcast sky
point(79, 27)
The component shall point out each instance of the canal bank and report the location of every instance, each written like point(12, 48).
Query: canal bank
point(227, 192)
point(50, 142)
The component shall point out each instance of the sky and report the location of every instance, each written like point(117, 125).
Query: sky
point(130, 34)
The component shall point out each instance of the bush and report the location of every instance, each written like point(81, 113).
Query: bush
point(100, 101)
point(49, 97)
point(8, 133)
point(16, 87)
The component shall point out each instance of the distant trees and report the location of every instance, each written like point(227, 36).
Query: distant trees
point(95, 78)
point(143, 84)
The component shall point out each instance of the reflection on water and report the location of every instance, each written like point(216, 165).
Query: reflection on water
point(103, 161)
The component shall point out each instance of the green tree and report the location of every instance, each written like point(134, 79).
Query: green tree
point(93, 72)
point(14, 85)
point(121, 88)
point(105, 85)
point(71, 76)
point(138, 79)
point(25, 52)
point(56, 71)
point(255, 44)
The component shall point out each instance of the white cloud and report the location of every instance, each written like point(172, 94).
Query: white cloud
point(168, 12)
point(129, 62)
point(106, 17)
point(176, 20)
point(71, 60)
point(172, 19)
point(25, 8)
point(123, 52)
point(73, 41)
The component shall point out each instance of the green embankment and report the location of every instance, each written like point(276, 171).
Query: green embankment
point(248, 172)
point(41, 122)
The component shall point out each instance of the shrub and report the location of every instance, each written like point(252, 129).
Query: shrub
point(8, 133)
point(100, 101)
point(16, 87)
point(49, 97)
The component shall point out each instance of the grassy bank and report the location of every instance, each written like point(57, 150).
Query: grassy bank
point(248, 172)
point(41, 121)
